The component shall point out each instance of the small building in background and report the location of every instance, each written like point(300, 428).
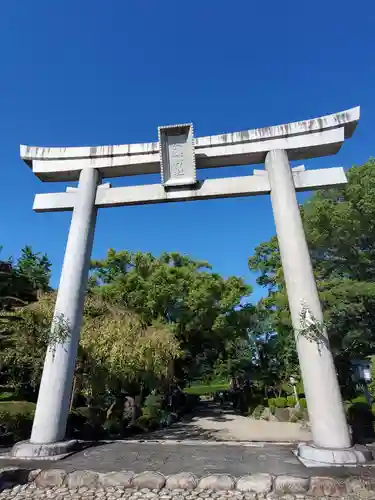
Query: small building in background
point(361, 370)
point(362, 376)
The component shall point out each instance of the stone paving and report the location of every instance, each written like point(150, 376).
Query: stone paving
point(92, 473)
point(56, 484)
point(32, 492)
point(184, 462)
point(196, 457)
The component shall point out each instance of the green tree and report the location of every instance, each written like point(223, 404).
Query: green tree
point(24, 342)
point(203, 308)
point(117, 352)
point(35, 267)
point(15, 288)
point(20, 284)
point(339, 225)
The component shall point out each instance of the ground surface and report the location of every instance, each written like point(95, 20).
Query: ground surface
point(199, 458)
point(213, 441)
point(214, 423)
point(84, 493)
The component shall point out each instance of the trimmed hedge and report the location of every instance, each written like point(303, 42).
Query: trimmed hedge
point(289, 402)
point(17, 407)
point(302, 403)
point(206, 390)
point(15, 422)
point(360, 399)
point(90, 423)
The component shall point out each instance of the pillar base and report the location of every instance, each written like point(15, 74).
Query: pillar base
point(313, 456)
point(24, 450)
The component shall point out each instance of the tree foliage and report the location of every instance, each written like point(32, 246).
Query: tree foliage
point(35, 267)
point(24, 344)
point(339, 225)
point(117, 349)
point(203, 309)
point(21, 282)
point(129, 350)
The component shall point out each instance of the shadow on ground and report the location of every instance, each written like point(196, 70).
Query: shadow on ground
point(187, 430)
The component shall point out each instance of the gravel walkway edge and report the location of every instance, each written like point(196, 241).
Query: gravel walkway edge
point(57, 483)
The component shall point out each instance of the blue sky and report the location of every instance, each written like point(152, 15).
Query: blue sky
point(93, 72)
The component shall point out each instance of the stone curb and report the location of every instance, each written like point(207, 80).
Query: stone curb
point(252, 484)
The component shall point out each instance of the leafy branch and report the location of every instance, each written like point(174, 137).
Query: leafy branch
point(311, 328)
point(60, 331)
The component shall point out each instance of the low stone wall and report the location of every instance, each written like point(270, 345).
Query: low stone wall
point(84, 484)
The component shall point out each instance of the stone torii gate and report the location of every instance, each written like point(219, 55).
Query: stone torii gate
point(176, 156)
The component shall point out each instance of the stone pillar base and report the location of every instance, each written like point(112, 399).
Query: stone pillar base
point(312, 456)
point(24, 450)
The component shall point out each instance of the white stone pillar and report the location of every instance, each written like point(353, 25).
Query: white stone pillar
point(327, 417)
point(56, 385)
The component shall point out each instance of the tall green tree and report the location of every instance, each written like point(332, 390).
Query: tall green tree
point(340, 230)
point(203, 308)
point(117, 352)
point(35, 267)
point(20, 284)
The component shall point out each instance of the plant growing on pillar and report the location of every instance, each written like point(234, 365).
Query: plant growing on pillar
point(60, 331)
point(311, 328)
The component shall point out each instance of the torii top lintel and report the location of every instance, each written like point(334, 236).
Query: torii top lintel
point(302, 140)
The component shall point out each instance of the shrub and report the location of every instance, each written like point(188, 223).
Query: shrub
point(166, 419)
point(15, 426)
point(300, 388)
point(152, 406)
point(206, 390)
point(113, 427)
point(361, 420)
point(287, 388)
point(147, 423)
point(280, 402)
point(17, 407)
point(87, 423)
point(302, 403)
point(191, 402)
point(257, 412)
point(360, 399)
point(291, 401)
point(93, 414)
point(6, 396)
point(76, 423)
point(277, 402)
